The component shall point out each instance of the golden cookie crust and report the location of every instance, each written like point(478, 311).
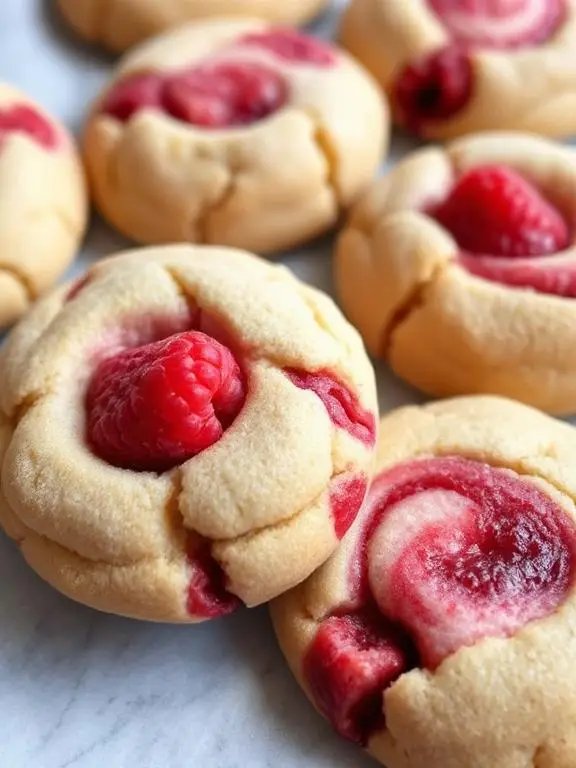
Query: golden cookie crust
point(442, 329)
point(260, 497)
point(43, 210)
point(528, 89)
point(120, 24)
point(501, 703)
point(263, 187)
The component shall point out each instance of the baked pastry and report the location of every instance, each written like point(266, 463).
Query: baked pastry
point(183, 430)
point(441, 632)
point(120, 24)
point(233, 132)
point(459, 268)
point(455, 66)
point(42, 202)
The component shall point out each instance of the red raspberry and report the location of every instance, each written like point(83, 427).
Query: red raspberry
point(25, 119)
point(433, 88)
point(155, 406)
point(493, 210)
point(132, 94)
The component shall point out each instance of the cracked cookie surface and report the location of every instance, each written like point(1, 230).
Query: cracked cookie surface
point(120, 24)
point(182, 431)
point(459, 267)
point(441, 632)
point(43, 206)
point(452, 67)
point(233, 132)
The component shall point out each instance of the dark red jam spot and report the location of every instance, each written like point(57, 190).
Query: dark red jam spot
point(292, 46)
point(491, 553)
point(500, 24)
point(342, 405)
point(433, 88)
point(22, 118)
point(347, 492)
point(352, 660)
point(153, 407)
point(77, 287)
point(211, 96)
point(207, 594)
point(501, 221)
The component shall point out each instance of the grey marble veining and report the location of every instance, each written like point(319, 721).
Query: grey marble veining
point(82, 689)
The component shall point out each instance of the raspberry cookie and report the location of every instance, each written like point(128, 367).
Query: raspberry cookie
point(442, 631)
point(233, 132)
point(456, 66)
point(42, 202)
point(183, 431)
point(460, 268)
point(120, 24)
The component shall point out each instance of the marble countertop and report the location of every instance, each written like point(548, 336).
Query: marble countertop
point(83, 689)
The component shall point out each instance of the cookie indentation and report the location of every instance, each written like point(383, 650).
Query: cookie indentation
point(500, 24)
point(434, 87)
point(22, 118)
point(210, 96)
point(342, 405)
point(292, 46)
point(453, 551)
point(153, 407)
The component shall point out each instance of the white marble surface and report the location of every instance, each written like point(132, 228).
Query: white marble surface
point(82, 689)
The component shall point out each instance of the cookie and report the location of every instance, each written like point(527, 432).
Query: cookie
point(43, 206)
point(441, 632)
point(453, 67)
point(183, 431)
point(459, 268)
point(120, 24)
point(233, 132)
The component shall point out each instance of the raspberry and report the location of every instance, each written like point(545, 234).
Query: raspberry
point(210, 96)
point(207, 594)
point(342, 405)
point(155, 406)
point(292, 46)
point(493, 210)
point(500, 24)
point(24, 119)
point(433, 88)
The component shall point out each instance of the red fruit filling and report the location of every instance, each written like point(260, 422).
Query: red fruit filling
point(453, 551)
point(292, 46)
point(500, 24)
point(25, 119)
point(501, 222)
point(207, 595)
point(343, 406)
point(433, 88)
point(219, 95)
point(347, 493)
point(152, 407)
point(352, 660)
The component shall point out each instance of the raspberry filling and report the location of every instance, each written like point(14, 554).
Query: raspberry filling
point(207, 595)
point(292, 46)
point(152, 407)
point(500, 24)
point(343, 407)
point(453, 551)
point(433, 88)
point(22, 118)
point(503, 223)
point(347, 492)
point(210, 96)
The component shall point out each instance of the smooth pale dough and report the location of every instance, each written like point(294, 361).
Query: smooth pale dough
point(117, 539)
point(120, 24)
point(43, 211)
point(527, 89)
point(264, 187)
point(441, 328)
point(501, 703)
